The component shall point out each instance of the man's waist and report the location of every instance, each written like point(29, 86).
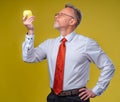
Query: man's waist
point(69, 92)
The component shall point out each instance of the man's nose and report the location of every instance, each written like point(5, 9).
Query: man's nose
point(56, 17)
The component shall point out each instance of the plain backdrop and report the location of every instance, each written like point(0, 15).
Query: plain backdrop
point(27, 82)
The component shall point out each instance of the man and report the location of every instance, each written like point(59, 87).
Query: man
point(69, 57)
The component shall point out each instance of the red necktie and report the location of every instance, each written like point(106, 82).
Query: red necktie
point(59, 71)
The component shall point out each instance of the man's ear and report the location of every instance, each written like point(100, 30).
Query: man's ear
point(73, 22)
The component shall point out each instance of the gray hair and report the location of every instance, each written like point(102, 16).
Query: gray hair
point(77, 13)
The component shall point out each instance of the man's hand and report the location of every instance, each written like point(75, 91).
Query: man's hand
point(86, 94)
point(28, 23)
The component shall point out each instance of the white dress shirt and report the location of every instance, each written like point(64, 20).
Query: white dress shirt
point(80, 52)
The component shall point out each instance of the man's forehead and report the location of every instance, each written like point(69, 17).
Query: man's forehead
point(67, 10)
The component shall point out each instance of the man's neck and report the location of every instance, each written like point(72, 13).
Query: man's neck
point(66, 32)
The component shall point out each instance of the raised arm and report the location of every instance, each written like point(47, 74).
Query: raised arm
point(29, 53)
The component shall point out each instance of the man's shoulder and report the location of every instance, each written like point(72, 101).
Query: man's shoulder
point(51, 40)
point(85, 40)
point(84, 37)
point(81, 36)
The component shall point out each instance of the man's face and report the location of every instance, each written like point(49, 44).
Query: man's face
point(63, 18)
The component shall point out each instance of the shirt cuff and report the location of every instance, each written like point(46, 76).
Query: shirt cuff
point(96, 90)
point(30, 37)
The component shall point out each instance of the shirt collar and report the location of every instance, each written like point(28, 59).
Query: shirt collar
point(69, 37)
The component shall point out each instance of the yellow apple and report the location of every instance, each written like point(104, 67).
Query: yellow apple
point(27, 13)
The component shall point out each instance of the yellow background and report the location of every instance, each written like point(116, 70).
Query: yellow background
point(23, 82)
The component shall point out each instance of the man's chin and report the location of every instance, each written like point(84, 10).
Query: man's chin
point(56, 26)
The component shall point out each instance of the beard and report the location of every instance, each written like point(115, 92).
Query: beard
point(60, 25)
point(56, 25)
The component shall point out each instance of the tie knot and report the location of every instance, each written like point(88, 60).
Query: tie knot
point(64, 40)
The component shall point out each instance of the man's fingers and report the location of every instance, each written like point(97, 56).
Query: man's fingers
point(24, 18)
point(87, 97)
point(30, 19)
point(86, 94)
point(82, 89)
point(82, 93)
